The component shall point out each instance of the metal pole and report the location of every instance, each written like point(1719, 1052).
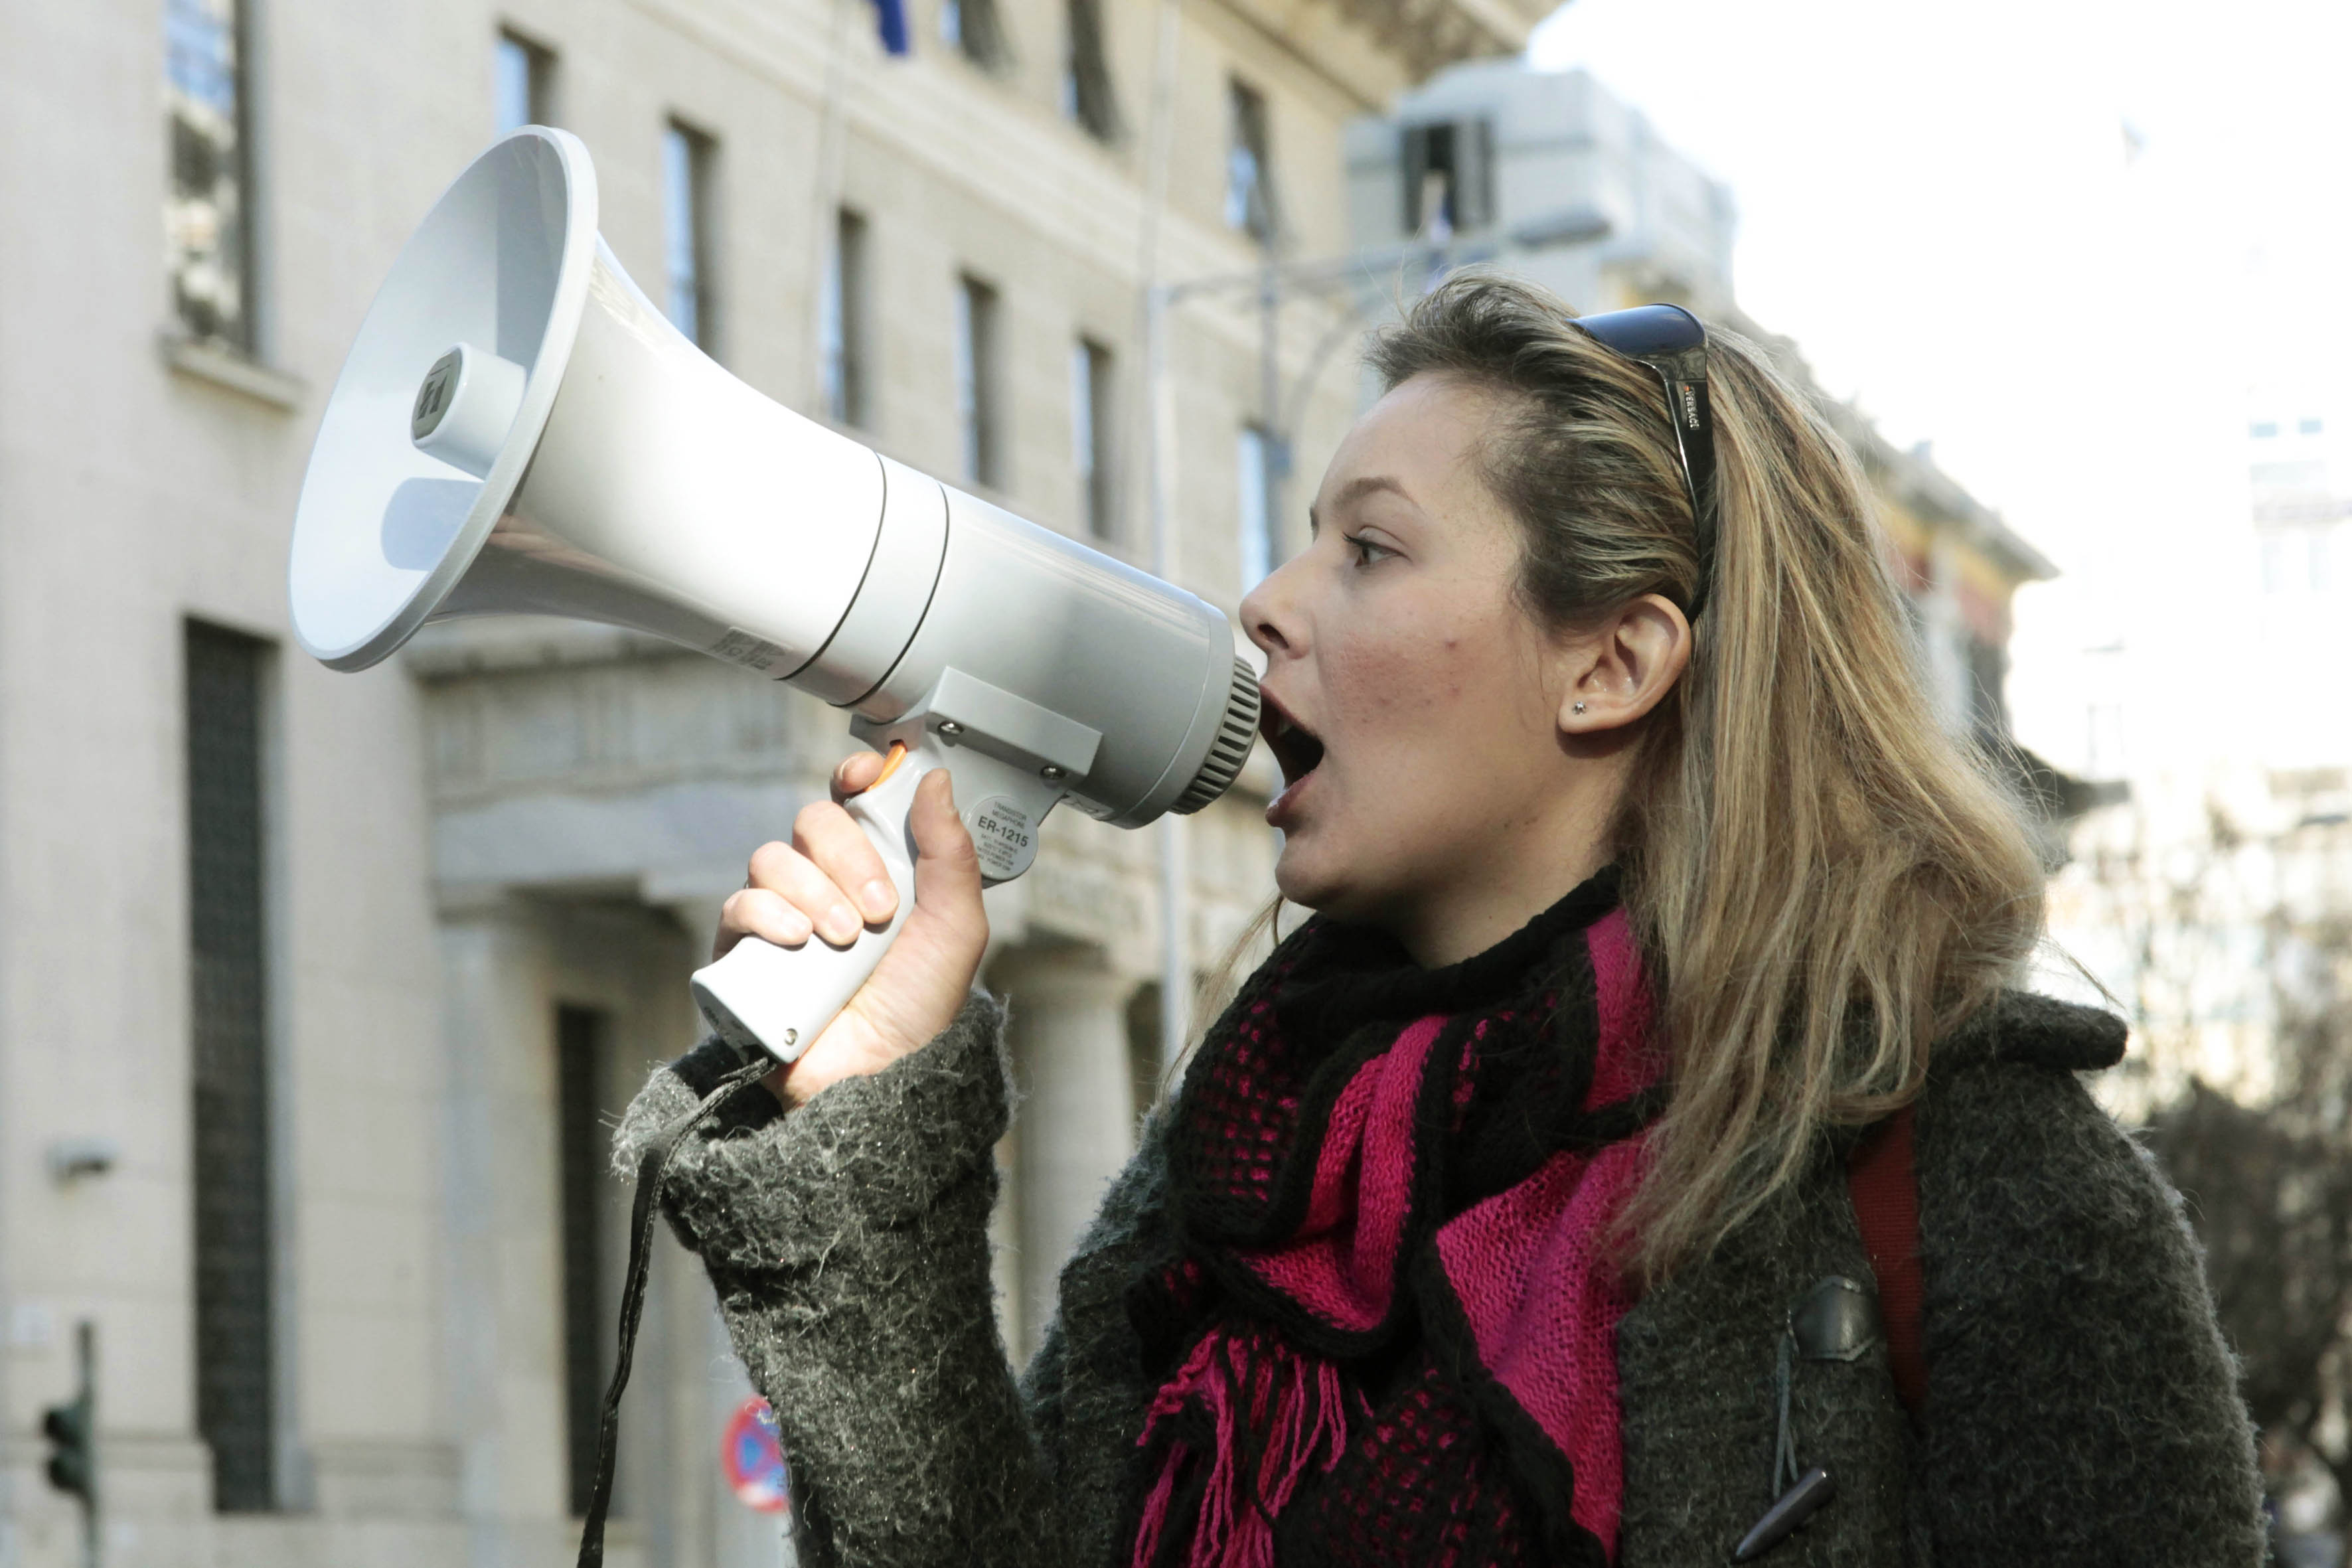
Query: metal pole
point(1269, 376)
point(1175, 907)
point(86, 1357)
point(1159, 448)
point(86, 1349)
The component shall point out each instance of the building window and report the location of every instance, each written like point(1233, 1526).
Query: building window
point(1091, 425)
point(1988, 673)
point(1255, 464)
point(2309, 426)
point(978, 407)
point(523, 78)
point(2295, 559)
point(844, 324)
point(974, 30)
point(1449, 176)
point(687, 158)
point(582, 1037)
point(207, 219)
point(2263, 429)
point(1249, 168)
point(1086, 95)
point(236, 1383)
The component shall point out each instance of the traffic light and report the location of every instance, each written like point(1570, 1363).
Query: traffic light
point(72, 1430)
point(67, 1426)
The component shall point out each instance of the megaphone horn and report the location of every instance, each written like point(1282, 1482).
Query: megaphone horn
point(517, 429)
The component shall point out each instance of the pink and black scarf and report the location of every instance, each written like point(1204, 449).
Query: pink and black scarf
point(1391, 1337)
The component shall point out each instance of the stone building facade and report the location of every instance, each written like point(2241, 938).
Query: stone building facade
point(316, 991)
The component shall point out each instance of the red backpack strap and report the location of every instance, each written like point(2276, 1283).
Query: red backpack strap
point(1885, 1190)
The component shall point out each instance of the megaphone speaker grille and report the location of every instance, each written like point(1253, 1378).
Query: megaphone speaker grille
point(1236, 732)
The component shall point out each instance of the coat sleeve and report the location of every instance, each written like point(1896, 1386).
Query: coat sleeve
point(848, 1245)
point(2082, 1405)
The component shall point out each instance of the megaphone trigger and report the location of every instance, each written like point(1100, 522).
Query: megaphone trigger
point(897, 754)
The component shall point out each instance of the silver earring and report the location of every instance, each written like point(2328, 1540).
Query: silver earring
point(1579, 707)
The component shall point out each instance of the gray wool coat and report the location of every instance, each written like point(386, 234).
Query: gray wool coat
point(2082, 1407)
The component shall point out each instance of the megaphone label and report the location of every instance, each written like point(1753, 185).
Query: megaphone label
point(433, 397)
point(740, 646)
point(1004, 834)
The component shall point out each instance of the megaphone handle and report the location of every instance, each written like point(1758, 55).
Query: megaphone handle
point(779, 999)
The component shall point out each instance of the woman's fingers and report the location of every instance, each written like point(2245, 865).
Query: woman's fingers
point(828, 881)
point(856, 773)
point(831, 840)
point(758, 912)
point(914, 990)
point(782, 871)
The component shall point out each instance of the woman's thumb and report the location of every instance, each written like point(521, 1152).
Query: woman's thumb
point(947, 868)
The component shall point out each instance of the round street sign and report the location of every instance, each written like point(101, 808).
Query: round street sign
point(752, 1454)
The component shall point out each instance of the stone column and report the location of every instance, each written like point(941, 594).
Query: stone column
point(1075, 1123)
point(500, 1254)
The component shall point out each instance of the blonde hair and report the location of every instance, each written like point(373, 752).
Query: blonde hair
point(1824, 880)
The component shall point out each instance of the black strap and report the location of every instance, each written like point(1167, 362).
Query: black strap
point(652, 1166)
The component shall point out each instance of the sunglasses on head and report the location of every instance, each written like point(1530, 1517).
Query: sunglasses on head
point(1671, 341)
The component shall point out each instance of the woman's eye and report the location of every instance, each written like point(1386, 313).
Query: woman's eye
point(1367, 552)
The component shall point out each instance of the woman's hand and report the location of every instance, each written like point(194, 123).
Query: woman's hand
point(829, 882)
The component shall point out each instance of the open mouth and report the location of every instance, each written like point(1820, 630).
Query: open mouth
point(1294, 746)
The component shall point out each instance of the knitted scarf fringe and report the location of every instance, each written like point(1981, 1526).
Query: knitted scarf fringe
point(1273, 1413)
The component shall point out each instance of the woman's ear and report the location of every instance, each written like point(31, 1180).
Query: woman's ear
point(1619, 670)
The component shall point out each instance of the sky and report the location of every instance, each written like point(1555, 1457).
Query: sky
point(2065, 240)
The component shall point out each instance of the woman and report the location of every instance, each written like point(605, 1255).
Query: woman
point(1506, 1215)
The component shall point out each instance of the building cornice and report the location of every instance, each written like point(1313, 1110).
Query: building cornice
point(1428, 34)
point(1403, 42)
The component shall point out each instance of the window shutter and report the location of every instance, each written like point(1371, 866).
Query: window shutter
point(1474, 174)
point(1412, 163)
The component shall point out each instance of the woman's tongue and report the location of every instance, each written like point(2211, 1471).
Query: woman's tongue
point(1300, 758)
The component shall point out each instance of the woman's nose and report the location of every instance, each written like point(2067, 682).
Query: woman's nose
point(1266, 619)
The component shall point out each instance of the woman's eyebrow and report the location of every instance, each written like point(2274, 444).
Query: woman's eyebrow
point(1354, 490)
point(1357, 490)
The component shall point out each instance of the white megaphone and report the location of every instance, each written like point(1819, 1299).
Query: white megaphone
point(518, 428)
